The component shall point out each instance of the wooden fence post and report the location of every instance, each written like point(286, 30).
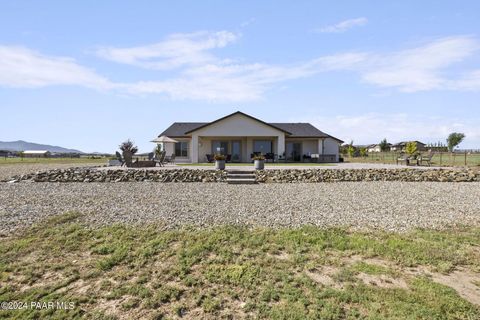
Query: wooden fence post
point(465, 158)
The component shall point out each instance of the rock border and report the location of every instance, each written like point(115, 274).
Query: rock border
point(262, 176)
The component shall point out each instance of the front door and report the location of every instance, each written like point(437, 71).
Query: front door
point(236, 151)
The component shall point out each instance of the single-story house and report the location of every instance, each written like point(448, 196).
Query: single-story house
point(239, 136)
point(402, 145)
point(377, 148)
point(36, 153)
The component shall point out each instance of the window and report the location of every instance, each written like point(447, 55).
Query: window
point(220, 147)
point(181, 149)
point(262, 146)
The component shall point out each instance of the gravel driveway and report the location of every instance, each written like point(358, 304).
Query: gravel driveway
point(396, 206)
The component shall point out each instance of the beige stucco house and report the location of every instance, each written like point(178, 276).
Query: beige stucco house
point(239, 136)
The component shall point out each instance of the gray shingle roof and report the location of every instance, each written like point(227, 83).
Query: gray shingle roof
point(304, 130)
point(178, 129)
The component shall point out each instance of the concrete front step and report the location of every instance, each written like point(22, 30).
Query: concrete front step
point(236, 171)
point(241, 181)
point(241, 177)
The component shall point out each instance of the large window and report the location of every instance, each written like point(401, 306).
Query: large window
point(220, 147)
point(262, 146)
point(181, 149)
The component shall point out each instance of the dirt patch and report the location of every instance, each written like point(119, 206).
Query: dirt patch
point(324, 276)
point(280, 256)
point(463, 281)
point(382, 281)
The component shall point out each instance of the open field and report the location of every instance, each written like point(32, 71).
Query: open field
point(126, 272)
point(71, 161)
point(10, 167)
point(439, 159)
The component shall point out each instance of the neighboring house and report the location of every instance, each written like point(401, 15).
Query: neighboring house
point(36, 153)
point(402, 145)
point(240, 135)
point(377, 148)
point(5, 153)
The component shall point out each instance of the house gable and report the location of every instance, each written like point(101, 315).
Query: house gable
point(238, 124)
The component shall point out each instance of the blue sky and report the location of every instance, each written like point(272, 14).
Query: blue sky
point(90, 74)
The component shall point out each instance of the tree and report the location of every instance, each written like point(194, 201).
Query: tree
point(351, 149)
point(454, 139)
point(363, 152)
point(128, 146)
point(411, 148)
point(384, 145)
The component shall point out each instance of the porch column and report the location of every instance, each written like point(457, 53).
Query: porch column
point(194, 149)
point(321, 146)
point(281, 144)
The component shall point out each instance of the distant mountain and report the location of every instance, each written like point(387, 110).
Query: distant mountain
point(24, 145)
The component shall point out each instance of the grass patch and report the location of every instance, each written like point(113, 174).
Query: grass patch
point(229, 272)
point(306, 164)
point(73, 161)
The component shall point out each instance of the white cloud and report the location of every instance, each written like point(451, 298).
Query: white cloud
point(373, 127)
point(175, 51)
point(22, 67)
point(189, 69)
point(343, 25)
point(421, 68)
point(470, 82)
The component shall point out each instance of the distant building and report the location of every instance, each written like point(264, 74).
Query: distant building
point(377, 148)
point(36, 154)
point(5, 153)
point(402, 145)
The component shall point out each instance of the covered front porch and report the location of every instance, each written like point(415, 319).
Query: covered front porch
point(275, 149)
point(239, 149)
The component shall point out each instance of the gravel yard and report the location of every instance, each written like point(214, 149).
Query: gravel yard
point(393, 206)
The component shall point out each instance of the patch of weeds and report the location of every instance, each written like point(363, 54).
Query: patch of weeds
point(164, 294)
point(114, 259)
point(211, 304)
point(131, 303)
point(246, 274)
point(368, 268)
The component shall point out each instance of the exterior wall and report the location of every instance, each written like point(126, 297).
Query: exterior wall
point(169, 149)
point(310, 146)
point(331, 147)
point(237, 127)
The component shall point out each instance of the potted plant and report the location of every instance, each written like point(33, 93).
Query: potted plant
point(259, 162)
point(128, 150)
point(219, 161)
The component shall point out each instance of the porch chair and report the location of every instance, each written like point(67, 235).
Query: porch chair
point(160, 158)
point(228, 158)
point(171, 159)
point(119, 158)
point(269, 156)
point(209, 158)
point(426, 158)
point(404, 158)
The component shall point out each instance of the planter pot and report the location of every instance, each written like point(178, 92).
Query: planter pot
point(259, 164)
point(220, 164)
